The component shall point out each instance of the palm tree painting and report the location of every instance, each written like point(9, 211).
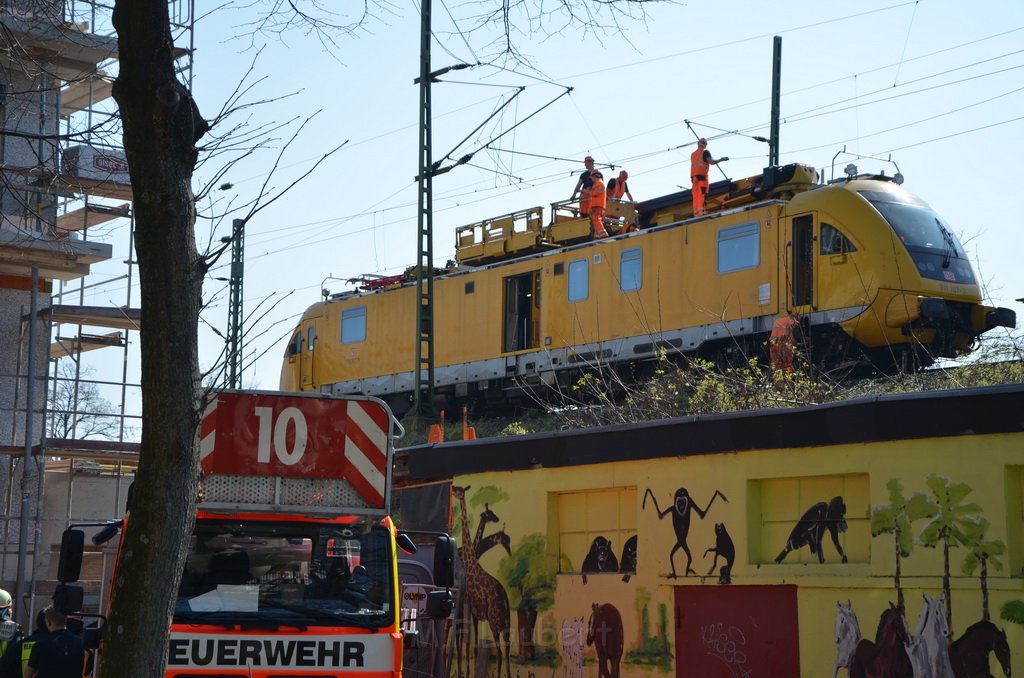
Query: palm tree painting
point(895, 518)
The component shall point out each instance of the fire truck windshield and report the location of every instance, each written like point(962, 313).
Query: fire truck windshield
point(287, 574)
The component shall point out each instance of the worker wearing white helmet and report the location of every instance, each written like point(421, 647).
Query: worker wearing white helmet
point(9, 630)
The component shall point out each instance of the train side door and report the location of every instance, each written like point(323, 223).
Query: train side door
point(307, 356)
point(801, 274)
point(521, 329)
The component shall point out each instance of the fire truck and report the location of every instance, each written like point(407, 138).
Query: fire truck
point(293, 564)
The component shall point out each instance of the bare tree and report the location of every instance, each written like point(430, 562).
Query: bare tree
point(77, 409)
point(162, 125)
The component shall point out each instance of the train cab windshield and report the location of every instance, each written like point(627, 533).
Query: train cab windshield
point(930, 241)
point(273, 575)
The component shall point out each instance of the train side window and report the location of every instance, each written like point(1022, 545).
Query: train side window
point(833, 241)
point(631, 271)
point(310, 338)
point(353, 325)
point(579, 280)
point(739, 247)
point(295, 347)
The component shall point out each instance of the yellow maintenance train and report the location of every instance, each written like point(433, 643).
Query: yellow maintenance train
point(877, 279)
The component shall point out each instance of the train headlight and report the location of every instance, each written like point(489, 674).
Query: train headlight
point(934, 308)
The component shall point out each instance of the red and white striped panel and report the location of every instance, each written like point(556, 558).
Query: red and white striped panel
point(366, 445)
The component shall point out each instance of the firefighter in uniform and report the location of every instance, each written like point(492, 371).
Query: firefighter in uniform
point(10, 632)
point(700, 162)
point(16, 658)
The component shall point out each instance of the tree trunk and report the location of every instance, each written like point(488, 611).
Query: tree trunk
point(160, 130)
point(945, 588)
point(900, 603)
point(527, 625)
point(984, 589)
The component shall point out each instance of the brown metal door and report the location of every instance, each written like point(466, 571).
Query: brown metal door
point(734, 631)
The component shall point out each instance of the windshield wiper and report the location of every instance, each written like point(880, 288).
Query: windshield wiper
point(224, 618)
point(273, 623)
point(947, 256)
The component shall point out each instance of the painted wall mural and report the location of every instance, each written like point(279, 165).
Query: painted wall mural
point(950, 522)
point(734, 610)
point(600, 558)
point(487, 598)
point(810, 530)
point(627, 563)
point(726, 549)
point(681, 508)
point(604, 632)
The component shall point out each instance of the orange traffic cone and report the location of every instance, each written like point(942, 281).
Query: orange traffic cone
point(436, 432)
point(468, 432)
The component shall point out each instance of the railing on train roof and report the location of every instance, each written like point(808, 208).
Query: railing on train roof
point(524, 232)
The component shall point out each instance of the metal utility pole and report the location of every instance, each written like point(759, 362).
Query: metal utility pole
point(234, 340)
point(424, 402)
point(29, 460)
point(773, 142)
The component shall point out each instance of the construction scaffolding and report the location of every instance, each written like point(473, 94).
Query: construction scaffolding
point(70, 400)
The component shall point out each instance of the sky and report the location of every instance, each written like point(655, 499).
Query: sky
point(933, 89)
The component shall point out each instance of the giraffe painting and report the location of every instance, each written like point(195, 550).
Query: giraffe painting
point(487, 597)
point(488, 516)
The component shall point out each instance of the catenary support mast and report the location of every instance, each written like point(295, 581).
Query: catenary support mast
point(773, 142)
point(423, 398)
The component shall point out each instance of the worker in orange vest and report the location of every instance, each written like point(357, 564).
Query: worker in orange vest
point(782, 343)
point(700, 162)
point(598, 201)
point(586, 181)
point(618, 187)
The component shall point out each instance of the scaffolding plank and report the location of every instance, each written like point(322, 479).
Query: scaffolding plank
point(80, 95)
point(66, 347)
point(91, 215)
point(97, 316)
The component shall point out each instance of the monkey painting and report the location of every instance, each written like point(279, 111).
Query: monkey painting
point(627, 563)
point(810, 531)
point(601, 558)
point(725, 548)
point(680, 509)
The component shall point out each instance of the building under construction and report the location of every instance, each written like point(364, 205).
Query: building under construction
point(68, 307)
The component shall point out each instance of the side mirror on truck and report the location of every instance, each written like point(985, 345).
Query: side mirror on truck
point(445, 554)
point(72, 549)
point(440, 603)
point(68, 598)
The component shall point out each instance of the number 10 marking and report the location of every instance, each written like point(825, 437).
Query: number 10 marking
point(279, 431)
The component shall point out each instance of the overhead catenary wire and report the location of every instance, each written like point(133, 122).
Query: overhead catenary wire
point(906, 41)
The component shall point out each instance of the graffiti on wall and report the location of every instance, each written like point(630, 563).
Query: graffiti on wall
point(727, 644)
